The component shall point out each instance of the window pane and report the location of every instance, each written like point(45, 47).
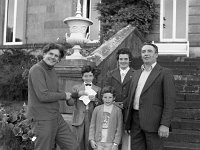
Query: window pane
point(181, 19)
point(19, 21)
point(168, 19)
point(10, 20)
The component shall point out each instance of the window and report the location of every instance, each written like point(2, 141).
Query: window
point(89, 11)
point(14, 22)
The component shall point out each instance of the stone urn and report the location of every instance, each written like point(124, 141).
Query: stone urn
point(77, 37)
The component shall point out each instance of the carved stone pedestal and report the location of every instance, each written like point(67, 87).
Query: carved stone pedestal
point(69, 74)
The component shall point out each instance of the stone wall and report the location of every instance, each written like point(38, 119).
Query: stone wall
point(45, 20)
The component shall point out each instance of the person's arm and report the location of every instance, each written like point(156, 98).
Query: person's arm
point(92, 129)
point(169, 92)
point(118, 134)
point(37, 79)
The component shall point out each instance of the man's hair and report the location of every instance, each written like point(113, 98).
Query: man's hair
point(51, 46)
point(124, 51)
point(151, 44)
point(87, 68)
point(108, 89)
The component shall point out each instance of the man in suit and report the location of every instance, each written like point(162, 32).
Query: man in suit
point(152, 101)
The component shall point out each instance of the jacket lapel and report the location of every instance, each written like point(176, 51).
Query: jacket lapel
point(153, 75)
point(116, 75)
point(135, 79)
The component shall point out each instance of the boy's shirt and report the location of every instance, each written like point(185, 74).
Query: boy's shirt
point(106, 120)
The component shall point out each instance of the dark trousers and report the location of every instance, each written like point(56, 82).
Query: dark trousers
point(51, 132)
point(82, 133)
point(142, 140)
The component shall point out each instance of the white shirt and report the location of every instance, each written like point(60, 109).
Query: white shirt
point(123, 73)
point(142, 80)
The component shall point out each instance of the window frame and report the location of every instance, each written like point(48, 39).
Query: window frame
point(14, 25)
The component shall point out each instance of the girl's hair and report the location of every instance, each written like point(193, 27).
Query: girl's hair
point(108, 89)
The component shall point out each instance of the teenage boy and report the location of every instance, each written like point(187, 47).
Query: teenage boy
point(84, 98)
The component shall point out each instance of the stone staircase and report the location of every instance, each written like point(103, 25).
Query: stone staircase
point(185, 133)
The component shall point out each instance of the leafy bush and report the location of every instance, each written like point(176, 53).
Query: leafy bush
point(15, 131)
point(116, 14)
point(14, 65)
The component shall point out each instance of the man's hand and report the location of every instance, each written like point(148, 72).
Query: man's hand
point(163, 131)
point(93, 144)
point(68, 95)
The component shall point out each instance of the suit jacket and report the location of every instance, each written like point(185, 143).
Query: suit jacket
point(114, 128)
point(157, 99)
point(114, 79)
point(80, 107)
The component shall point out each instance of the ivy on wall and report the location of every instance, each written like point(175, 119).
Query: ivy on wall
point(116, 14)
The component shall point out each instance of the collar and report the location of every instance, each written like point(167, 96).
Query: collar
point(45, 65)
point(87, 84)
point(124, 71)
point(152, 66)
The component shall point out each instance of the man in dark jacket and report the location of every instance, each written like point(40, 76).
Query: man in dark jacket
point(49, 126)
point(152, 100)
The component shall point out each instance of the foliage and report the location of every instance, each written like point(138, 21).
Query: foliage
point(15, 131)
point(14, 65)
point(114, 15)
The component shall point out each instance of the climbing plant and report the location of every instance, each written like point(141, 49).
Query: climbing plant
point(116, 14)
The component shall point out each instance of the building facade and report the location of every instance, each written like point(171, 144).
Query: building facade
point(177, 31)
point(41, 21)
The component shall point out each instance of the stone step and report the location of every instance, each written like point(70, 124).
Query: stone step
point(185, 124)
point(188, 81)
point(192, 59)
point(188, 71)
point(193, 97)
point(187, 114)
point(188, 89)
point(187, 97)
point(181, 146)
point(186, 67)
point(188, 136)
point(188, 104)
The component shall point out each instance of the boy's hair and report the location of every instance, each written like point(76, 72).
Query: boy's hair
point(87, 68)
point(108, 89)
point(124, 51)
point(51, 46)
